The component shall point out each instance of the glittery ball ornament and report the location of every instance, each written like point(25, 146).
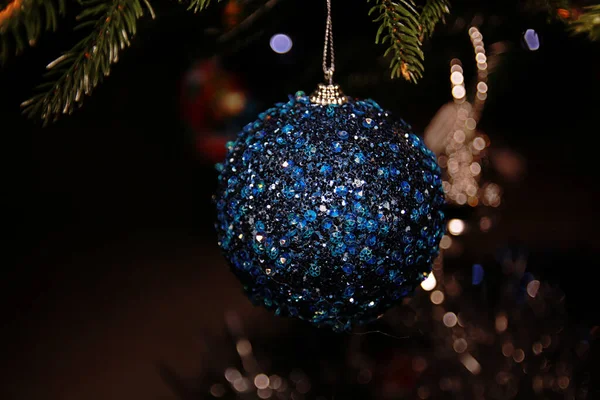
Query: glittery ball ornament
point(329, 213)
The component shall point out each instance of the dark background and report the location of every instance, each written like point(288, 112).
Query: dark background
point(111, 263)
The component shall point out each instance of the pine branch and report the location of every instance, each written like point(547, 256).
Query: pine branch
point(22, 22)
point(78, 71)
point(587, 23)
point(399, 27)
point(432, 13)
point(199, 5)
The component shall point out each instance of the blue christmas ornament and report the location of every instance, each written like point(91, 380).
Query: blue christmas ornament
point(329, 212)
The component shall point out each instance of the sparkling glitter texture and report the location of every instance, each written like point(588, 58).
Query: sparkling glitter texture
point(331, 214)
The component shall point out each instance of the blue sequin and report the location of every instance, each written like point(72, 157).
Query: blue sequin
point(359, 158)
point(310, 215)
point(297, 172)
point(314, 271)
point(325, 170)
point(348, 268)
point(327, 224)
point(371, 240)
point(341, 191)
point(349, 292)
point(288, 192)
point(372, 225)
point(419, 196)
point(299, 186)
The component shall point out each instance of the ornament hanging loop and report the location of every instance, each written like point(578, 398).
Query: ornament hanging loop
point(329, 93)
point(329, 76)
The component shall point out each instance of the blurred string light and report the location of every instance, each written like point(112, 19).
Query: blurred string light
point(464, 148)
point(511, 340)
point(247, 379)
point(281, 43)
point(532, 40)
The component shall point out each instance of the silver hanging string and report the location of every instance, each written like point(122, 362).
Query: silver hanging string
point(328, 48)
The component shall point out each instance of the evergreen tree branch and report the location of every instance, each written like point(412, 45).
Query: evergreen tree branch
point(587, 23)
point(78, 71)
point(22, 22)
point(551, 7)
point(400, 29)
point(432, 13)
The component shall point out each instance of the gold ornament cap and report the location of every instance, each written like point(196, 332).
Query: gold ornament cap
point(328, 94)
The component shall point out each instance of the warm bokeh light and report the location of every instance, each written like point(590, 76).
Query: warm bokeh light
point(457, 78)
point(479, 143)
point(485, 224)
point(450, 319)
point(458, 92)
point(437, 297)
point(501, 322)
point(533, 287)
point(261, 381)
point(456, 226)
point(460, 345)
point(470, 363)
point(233, 103)
point(429, 283)
point(243, 347)
point(446, 242)
point(217, 390)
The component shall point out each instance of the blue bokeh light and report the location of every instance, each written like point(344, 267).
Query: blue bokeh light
point(281, 43)
point(531, 39)
point(477, 274)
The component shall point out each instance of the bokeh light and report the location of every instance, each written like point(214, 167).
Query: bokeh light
point(429, 283)
point(456, 226)
point(281, 43)
point(531, 40)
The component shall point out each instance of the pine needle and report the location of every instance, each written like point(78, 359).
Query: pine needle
point(198, 5)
